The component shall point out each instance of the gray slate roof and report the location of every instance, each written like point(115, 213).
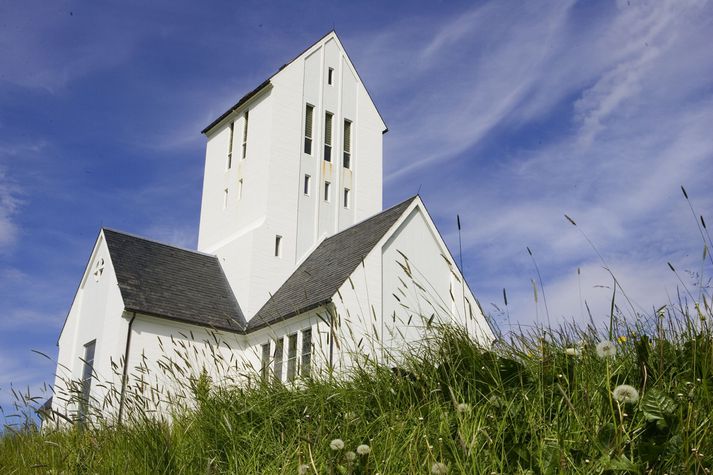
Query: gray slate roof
point(174, 283)
point(319, 277)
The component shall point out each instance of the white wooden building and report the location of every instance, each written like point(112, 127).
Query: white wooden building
point(298, 269)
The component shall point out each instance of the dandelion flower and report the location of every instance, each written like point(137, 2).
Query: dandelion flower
point(336, 444)
point(626, 394)
point(606, 349)
point(439, 468)
point(463, 408)
point(363, 449)
point(303, 469)
point(622, 339)
point(572, 351)
point(350, 456)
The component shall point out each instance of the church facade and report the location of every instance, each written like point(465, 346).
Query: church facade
point(298, 269)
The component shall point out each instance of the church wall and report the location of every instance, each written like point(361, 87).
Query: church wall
point(95, 315)
point(367, 158)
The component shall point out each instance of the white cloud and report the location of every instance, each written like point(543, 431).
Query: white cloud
point(9, 204)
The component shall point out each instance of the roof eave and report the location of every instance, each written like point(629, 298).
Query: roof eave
point(242, 102)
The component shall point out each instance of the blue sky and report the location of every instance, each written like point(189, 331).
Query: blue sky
point(509, 114)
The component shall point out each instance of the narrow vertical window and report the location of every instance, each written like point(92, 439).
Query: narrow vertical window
point(347, 158)
point(245, 134)
point(291, 357)
point(328, 136)
point(277, 358)
point(230, 145)
point(309, 113)
point(87, 372)
point(307, 185)
point(278, 246)
point(265, 361)
point(306, 364)
point(327, 190)
point(240, 188)
point(330, 76)
point(225, 198)
point(346, 197)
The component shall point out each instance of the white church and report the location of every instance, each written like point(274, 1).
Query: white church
point(298, 272)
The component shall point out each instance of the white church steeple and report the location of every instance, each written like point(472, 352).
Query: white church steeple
point(297, 159)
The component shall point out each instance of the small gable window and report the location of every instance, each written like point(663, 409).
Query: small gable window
point(307, 185)
point(347, 197)
point(330, 76)
point(278, 246)
point(327, 190)
point(99, 269)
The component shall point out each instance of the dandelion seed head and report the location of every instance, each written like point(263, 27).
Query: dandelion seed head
point(363, 449)
point(572, 352)
point(463, 408)
point(350, 456)
point(303, 469)
point(336, 444)
point(439, 468)
point(626, 394)
point(606, 349)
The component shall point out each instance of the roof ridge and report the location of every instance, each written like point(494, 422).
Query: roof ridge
point(154, 241)
point(371, 217)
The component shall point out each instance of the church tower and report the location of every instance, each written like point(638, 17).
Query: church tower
point(296, 160)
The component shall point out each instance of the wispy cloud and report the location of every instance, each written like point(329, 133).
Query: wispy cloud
point(9, 204)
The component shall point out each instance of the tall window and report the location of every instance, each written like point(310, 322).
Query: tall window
point(279, 344)
point(265, 361)
point(347, 158)
point(245, 135)
point(327, 190)
point(87, 372)
point(278, 246)
point(328, 136)
point(309, 113)
point(347, 197)
point(230, 145)
point(305, 366)
point(330, 76)
point(291, 357)
point(307, 185)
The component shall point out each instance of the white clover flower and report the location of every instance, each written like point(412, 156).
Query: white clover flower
point(626, 394)
point(303, 469)
point(573, 351)
point(363, 449)
point(350, 456)
point(463, 408)
point(336, 444)
point(439, 468)
point(606, 349)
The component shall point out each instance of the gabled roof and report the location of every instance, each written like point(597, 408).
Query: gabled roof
point(319, 277)
point(267, 82)
point(170, 282)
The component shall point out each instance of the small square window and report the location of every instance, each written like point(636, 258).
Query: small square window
point(330, 76)
point(278, 246)
point(347, 197)
point(240, 188)
point(327, 190)
point(225, 198)
point(307, 185)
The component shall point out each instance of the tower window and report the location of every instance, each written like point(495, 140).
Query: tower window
point(347, 158)
point(347, 197)
point(225, 198)
point(306, 352)
point(245, 135)
point(279, 344)
point(328, 136)
point(330, 75)
point(291, 356)
point(240, 188)
point(327, 190)
point(278, 245)
point(307, 185)
point(309, 113)
point(230, 146)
